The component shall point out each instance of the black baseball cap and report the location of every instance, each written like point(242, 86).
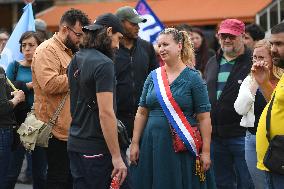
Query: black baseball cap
point(130, 14)
point(105, 20)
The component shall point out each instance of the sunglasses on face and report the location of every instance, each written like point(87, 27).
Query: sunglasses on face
point(224, 36)
point(76, 33)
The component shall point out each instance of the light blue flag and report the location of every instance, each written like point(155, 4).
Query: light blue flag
point(149, 30)
point(11, 51)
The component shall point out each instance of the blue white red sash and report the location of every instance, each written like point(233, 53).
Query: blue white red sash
point(173, 112)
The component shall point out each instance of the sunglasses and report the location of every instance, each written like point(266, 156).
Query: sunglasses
point(224, 36)
point(76, 33)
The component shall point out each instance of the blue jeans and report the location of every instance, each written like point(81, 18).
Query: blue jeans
point(93, 171)
point(274, 180)
point(257, 175)
point(6, 139)
point(229, 164)
point(39, 167)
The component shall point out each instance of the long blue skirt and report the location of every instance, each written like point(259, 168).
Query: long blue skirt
point(159, 167)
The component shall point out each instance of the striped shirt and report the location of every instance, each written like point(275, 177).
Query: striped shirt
point(223, 75)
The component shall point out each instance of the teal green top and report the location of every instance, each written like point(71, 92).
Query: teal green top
point(223, 75)
point(188, 89)
point(159, 166)
point(20, 77)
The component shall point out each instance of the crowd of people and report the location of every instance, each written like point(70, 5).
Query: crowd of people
point(196, 118)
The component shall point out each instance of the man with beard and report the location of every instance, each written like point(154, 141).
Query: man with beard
point(224, 74)
point(134, 60)
point(261, 73)
point(93, 141)
point(50, 85)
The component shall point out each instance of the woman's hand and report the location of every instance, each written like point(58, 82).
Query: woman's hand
point(29, 85)
point(134, 153)
point(205, 160)
point(260, 72)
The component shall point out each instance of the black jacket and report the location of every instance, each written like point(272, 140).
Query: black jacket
point(7, 118)
point(131, 69)
point(224, 118)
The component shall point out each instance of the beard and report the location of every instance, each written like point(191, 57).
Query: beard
point(71, 45)
point(277, 60)
point(232, 51)
point(130, 35)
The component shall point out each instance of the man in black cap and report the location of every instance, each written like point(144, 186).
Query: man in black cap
point(134, 60)
point(93, 148)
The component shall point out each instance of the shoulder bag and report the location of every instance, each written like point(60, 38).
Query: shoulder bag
point(34, 132)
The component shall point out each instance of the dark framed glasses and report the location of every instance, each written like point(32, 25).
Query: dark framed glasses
point(224, 36)
point(76, 33)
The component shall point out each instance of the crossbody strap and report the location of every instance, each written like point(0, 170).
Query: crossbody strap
point(268, 118)
point(173, 112)
point(59, 109)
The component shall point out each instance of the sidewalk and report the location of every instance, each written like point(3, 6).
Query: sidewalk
point(23, 186)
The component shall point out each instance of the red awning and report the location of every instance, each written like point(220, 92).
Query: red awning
point(170, 12)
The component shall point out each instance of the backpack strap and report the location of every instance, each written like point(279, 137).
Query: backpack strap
point(15, 70)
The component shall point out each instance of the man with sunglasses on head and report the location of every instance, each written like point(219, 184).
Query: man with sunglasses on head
point(134, 60)
point(224, 74)
point(50, 85)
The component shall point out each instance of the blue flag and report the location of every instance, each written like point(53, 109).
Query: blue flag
point(11, 51)
point(149, 30)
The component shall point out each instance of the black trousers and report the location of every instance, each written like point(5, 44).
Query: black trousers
point(93, 171)
point(58, 173)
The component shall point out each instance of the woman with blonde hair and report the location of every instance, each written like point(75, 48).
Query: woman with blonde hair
point(250, 103)
point(165, 150)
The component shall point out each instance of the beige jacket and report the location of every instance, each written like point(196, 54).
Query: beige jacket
point(50, 83)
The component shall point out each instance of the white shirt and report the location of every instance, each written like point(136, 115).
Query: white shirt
point(244, 104)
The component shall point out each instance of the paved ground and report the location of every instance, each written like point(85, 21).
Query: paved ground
point(23, 186)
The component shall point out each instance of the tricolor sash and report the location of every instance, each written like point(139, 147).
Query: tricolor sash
point(173, 112)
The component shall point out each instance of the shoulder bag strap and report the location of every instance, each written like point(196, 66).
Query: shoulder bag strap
point(58, 110)
point(268, 118)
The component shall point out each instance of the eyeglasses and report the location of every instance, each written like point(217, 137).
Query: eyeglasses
point(224, 36)
point(76, 33)
point(258, 58)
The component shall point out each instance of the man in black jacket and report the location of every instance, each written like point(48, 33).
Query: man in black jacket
point(134, 60)
point(224, 74)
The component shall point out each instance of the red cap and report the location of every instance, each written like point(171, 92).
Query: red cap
point(232, 26)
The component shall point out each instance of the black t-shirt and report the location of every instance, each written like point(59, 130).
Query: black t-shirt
point(89, 72)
